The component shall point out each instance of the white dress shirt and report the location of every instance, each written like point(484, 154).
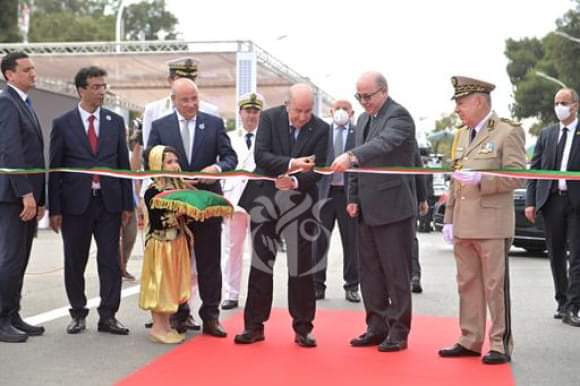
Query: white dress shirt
point(567, 147)
point(85, 119)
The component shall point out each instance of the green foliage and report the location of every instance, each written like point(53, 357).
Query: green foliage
point(148, 19)
point(9, 21)
point(94, 20)
point(554, 56)
point(447, 121)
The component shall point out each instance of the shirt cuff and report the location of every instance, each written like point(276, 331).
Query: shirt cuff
point(295, 182)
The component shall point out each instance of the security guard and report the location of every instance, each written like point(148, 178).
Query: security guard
point(236, 227)
point(479, 219)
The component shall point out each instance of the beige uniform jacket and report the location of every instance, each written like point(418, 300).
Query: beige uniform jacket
point(486, 211)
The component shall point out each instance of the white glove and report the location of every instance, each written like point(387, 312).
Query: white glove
point(467, 178)
point(448, 233)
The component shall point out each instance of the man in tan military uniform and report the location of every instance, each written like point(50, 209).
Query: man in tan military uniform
point(479, 219)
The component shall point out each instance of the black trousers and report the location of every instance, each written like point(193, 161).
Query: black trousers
point(15, 244)
point(562, 226)
point(334, 210)
point(77, 232)
point(384, 257)
point(207, 251)
point(299, 233)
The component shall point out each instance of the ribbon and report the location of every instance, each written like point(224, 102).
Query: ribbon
point(534, 174)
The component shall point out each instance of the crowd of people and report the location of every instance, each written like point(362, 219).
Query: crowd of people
point(295, 208)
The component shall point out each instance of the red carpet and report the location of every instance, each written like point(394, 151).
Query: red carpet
point(278, 361)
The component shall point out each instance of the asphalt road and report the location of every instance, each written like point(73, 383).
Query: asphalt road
point(546, 351)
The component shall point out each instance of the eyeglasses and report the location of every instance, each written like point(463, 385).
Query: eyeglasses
point(366, 97)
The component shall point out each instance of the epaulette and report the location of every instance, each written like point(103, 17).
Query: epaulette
point(510, 122)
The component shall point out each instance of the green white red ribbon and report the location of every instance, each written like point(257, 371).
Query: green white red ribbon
point(140, 175)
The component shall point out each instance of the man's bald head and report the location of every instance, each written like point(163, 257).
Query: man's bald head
point(300, 104)
point(185, 97)
point(372, 91)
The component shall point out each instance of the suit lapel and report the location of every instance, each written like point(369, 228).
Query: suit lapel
point(284, 131)
point(483, 134)
point(553, 144)
point(350, 137)
point(303, 137)
point(28, 111)
point(575, 143)
point(105, 130)
point(200, 135)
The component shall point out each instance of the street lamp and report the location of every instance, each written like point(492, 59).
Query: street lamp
point(550, 78)
point(118, 25)
point(566, 36)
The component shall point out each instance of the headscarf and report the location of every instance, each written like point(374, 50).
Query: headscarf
point(156, 163)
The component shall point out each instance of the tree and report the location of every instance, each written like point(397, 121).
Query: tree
point(530, 60)
point(147, 20)
point(9, 21)
point(94, 20)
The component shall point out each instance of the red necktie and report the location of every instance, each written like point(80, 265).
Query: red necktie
point(93, 140)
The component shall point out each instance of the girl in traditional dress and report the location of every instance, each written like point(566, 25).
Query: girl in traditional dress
point(166, 274)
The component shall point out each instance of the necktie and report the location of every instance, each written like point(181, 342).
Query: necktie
point(472, 134)
point(186, 139)
point(292, 137)
point(338, 178)
point(249, 139)
point(29, 102)
point(559, 155)
point(93, 141)
point(367, 128)
point(560, 148)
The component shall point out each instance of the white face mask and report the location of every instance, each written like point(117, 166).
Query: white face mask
point(340, 117)
point(562, 112)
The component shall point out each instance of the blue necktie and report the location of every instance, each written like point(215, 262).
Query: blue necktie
point(29, 102)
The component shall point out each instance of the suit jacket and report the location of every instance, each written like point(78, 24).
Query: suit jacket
point(70, 193)
point(234, 188)
point(211, 144)
point(545, 158)
point(385, 198)
point(21, 146)
point(324, 183)
point(272, 153)
point(486, 211)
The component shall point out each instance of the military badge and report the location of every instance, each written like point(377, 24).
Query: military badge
point(487, 148)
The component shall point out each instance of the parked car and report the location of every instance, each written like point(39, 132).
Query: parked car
point(528, 236)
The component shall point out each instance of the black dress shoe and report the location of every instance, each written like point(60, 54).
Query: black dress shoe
point(416, 285)
point(9, 334)
point(352, 296)
point(305, 340)
point(457, 351)
point(495, 358)
point(214, 328)
point(29, 329)
point(191, 324)
point(389, 345)
point(571, 318)
point(229, 304)
point(319, 294)
point(249, 337)
point(148, 324)
point(559, 314)
point(367, 339)
point(76, 325)
point(112, 326)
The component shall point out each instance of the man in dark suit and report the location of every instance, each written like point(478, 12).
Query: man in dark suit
point(203, 145)
point(332, 191)
point(558, 201)
point(287, 136)
point(84, 205)
point(21, 196)
point(386, 206)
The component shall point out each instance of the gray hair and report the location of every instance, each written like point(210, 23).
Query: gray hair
point(382, 81)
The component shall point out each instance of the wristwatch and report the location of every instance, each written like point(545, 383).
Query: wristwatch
point(352, 159)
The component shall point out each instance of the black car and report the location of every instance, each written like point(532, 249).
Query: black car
point(527, 235)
